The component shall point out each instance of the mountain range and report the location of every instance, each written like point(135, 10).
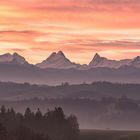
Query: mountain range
point(57, 60)
point(57, 69)
point(60, 61)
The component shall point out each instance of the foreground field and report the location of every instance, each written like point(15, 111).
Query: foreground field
point(109, 135)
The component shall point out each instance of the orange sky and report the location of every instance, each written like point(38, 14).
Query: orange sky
point(80, 28)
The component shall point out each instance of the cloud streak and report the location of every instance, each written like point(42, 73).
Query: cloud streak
point(84, 27)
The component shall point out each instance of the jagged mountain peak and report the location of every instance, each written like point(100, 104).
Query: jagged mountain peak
point(97, 55)
point(18, 59)
point(7, 54)
point(55, 56)
point(135, 62)
point(60, 53)
point(16, 54)
point(14, 58)
point(99, 61)
point(54, 53)
point(7, 57)
point(137, 58)
point(96, 60)
point(57, 60)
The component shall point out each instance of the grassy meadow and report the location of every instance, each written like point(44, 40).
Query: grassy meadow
point(109, 135)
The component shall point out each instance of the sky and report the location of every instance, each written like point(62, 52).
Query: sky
point(79, 28)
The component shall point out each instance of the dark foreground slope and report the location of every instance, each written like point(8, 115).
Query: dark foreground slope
point(109, 135)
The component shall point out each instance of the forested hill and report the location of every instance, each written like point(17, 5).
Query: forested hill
point(96, 90)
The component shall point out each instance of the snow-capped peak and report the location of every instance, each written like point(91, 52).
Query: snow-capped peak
point(18, 59)
point(6, 57)
point(135, 62)
point(57, 60)
point(136, 59)
point(97, 56)
point(14, 59)
point(99, 61)
point(60, 53)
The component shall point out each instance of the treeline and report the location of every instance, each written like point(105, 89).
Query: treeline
point(96, 90)
point(108, 112)
point(52, 125)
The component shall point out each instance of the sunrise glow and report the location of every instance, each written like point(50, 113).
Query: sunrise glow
point(80, 28)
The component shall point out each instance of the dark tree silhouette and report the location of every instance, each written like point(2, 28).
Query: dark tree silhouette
point(3, 133)
point(54, 125)
point(3, 111)
point(24, 133)
point(38, 114)
point(28, 114)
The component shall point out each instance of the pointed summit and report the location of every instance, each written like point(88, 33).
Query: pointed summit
point(61, 53)
point(99, 61)
point(96, 60)
point(97, 55)
point(6, 54)
point(136, 59)
point(12, 59)
point(135, 62)
point(15, 54)
point(55, 56)
point(18, 59)
point(52, 55)
point(57, 60)
point(6, 58)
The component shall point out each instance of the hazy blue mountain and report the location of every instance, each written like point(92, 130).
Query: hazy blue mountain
point(33, 74)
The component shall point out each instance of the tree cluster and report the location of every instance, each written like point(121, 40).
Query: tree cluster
point(53, 125)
